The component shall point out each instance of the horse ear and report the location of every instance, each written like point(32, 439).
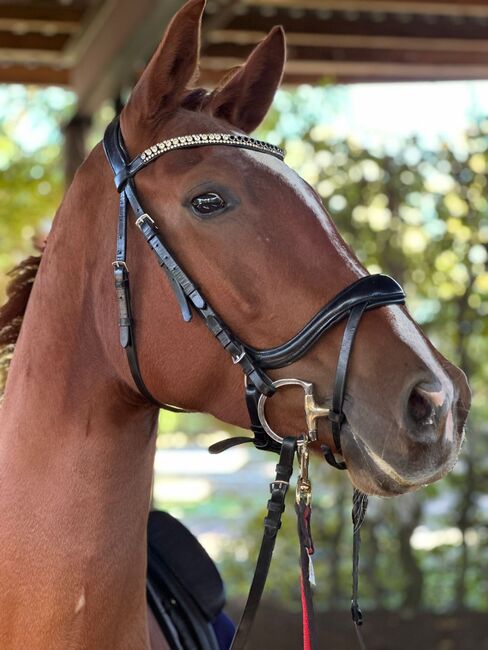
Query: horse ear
point(244, 99)
point(171, 68)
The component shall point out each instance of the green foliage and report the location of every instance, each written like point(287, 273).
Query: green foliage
point(31, 176)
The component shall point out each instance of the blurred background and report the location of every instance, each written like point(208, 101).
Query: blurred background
point(384, 110)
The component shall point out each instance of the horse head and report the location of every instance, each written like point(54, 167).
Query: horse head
point(258, 241)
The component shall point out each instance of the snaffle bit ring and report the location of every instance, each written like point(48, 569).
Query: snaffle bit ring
point(312, 410)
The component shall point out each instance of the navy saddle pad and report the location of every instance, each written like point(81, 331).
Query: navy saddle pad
point(184, 588)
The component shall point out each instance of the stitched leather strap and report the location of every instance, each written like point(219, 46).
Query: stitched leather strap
point(336, 415)
point(272, 524)
point(372, 291)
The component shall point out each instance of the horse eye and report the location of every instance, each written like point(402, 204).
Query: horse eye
point(206, 204)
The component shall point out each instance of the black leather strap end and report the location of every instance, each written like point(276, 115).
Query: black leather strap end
point(122, 290)
point(223, 445)
point(331, 459)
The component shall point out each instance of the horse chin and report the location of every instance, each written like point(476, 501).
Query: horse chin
point(373, 475)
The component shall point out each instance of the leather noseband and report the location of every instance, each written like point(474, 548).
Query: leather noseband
point(369, 292)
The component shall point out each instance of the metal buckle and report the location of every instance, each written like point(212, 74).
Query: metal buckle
point(303, 491)
point(313, 411)
point(120, 265)
point(237, 358)
point(279, 485)
point(144, 217)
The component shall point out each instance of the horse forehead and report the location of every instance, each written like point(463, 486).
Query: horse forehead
point(292, 180)
point(288, 176)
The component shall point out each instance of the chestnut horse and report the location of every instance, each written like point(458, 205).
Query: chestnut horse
point(77, 438)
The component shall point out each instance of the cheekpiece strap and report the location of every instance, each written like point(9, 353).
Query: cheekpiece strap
point(187, 293)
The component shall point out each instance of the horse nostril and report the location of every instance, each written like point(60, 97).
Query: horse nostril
point(421, 409)
point(426, 408)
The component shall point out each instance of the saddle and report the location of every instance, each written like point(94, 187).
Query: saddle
point(184, 589)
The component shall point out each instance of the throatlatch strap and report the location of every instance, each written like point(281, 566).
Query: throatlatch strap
point(272, 524)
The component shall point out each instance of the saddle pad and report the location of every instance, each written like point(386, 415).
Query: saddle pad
point(185, 562)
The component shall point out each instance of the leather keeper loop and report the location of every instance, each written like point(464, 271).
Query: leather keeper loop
point(336, 418)
point(120, 179)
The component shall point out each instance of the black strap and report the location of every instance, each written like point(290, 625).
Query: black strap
point(261, 440)
point(359, 507)
point(372, 291)
point(336, 415)
point(163, 617)
point(272, 524)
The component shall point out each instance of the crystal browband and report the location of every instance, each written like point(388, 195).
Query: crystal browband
point(189, 141)
point(202, 139)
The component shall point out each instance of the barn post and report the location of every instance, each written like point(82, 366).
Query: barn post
point(75, 133)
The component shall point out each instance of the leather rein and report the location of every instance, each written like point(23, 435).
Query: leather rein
point(368, 292)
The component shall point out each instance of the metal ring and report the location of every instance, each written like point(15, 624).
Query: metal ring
point(308, 388)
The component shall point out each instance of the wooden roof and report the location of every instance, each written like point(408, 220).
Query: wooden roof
point(98, 47)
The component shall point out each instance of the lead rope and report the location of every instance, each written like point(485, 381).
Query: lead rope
point(359, 507)
point(303, 509)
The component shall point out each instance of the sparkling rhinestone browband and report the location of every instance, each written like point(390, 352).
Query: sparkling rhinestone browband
point(204, 139)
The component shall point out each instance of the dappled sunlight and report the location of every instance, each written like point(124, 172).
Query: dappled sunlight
point(167, 493)
point(424, 539)
point(198, 461)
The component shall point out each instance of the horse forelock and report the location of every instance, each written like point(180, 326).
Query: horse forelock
point(12, 312)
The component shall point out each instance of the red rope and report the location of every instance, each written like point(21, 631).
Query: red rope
point(307, 644)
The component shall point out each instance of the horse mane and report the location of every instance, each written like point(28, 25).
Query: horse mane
point(12, 312)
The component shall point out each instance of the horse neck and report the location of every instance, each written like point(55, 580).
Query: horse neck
point(75, 458)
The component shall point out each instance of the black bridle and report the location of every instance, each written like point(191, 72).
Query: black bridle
point(369, 292)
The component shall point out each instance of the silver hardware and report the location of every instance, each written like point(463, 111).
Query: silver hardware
point(313, 411)
point(279, 485)
point(236, 358)
point(142, 218)
point(120, 265)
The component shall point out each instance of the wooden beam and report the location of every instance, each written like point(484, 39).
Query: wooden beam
point(32, 41)
point(360, 41)
point(472, 8)
point(323, 54)
point(12, 56)
point(46, 27)
point(37, 17)
point(316, 21)
point(40, 75)
point(359, 69)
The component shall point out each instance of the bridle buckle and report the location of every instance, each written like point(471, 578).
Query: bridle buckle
point(144, 217)
point(238, 357)
point(118, 264)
